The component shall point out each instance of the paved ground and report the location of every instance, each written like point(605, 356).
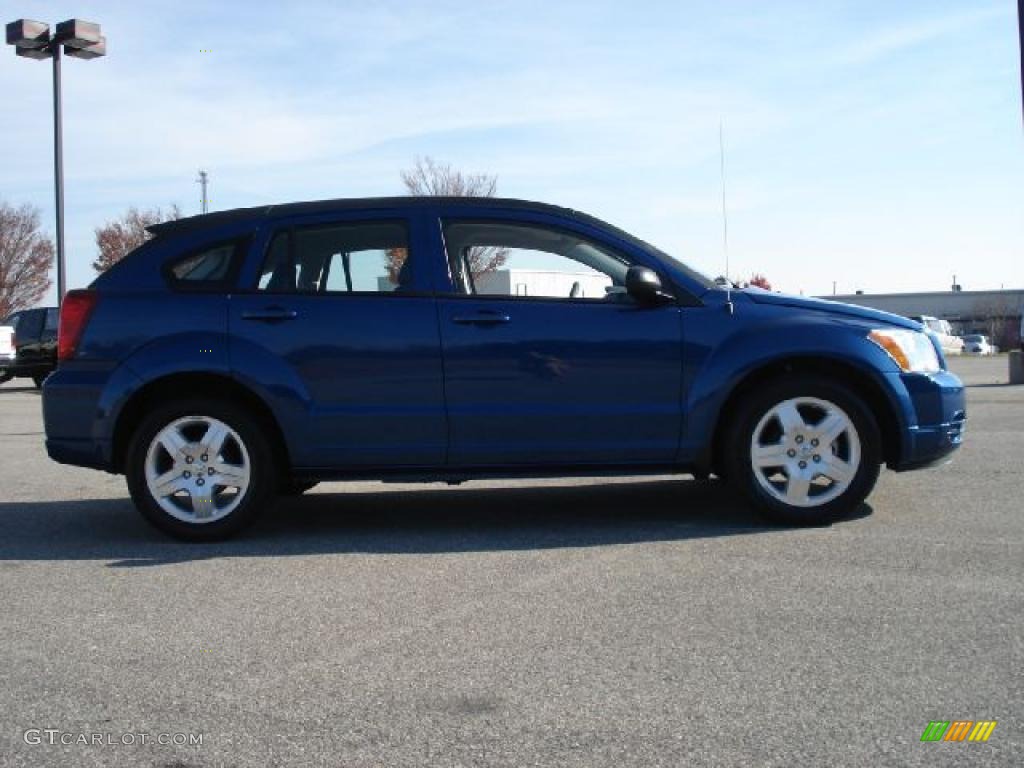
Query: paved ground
point(636, 623)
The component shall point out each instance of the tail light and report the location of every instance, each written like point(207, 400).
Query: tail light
point(74, 315)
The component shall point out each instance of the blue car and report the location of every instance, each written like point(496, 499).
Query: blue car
point(257, 351)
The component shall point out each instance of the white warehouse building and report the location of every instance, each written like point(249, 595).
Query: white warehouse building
point(541, 282)
point(996, 314)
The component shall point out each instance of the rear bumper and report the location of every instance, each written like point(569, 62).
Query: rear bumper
point(80, 453)
point(78, 409)
point(936, 415)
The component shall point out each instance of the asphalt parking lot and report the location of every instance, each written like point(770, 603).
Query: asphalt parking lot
point(634, 622)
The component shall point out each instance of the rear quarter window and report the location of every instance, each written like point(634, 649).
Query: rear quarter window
point(209, 267)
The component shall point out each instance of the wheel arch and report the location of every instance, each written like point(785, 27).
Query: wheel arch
point(194, 384)
point(842, 372)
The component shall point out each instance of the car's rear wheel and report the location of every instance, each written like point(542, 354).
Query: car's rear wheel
point(38, 380)
point(199, 470)
point(805, 450)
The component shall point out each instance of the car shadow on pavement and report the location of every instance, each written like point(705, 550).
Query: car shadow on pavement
point(422, 521)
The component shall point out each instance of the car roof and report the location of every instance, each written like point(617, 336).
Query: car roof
point(207, 220)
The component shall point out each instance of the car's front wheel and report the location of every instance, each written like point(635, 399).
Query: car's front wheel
point(805, 450)
point(199, 470)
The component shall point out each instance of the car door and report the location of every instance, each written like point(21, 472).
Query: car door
point(338, 327)
point(547, 360)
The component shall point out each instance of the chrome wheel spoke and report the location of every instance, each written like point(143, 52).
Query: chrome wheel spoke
point(168, 483)
point(831, 427)
point(230, 475)
point(773, 455)
point(789, 417)
point(173, 442)
point(798, 488)
point(213, 441)
point(837, 470)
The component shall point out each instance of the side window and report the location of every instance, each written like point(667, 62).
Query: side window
point(30, 325)
point(369, 257)
point(51, 322)
point(524, 261)
point(207, 267)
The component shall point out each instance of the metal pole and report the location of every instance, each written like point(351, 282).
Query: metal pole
point(58, 172)
point(202, 181)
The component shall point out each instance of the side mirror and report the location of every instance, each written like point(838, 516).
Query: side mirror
point(644, 286)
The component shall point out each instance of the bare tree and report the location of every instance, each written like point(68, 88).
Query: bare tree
point(117, 238)
point(25, 259)
point(431, 179)
point(428, 178)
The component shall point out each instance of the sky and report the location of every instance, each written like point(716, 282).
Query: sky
point(872, 146)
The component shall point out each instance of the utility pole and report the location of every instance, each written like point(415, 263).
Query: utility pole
point(203, 178)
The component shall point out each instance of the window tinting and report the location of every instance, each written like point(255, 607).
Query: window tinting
point(501, 259)
point(370, 257)
point(209, 266)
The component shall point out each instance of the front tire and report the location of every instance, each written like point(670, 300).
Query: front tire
point(804, 450)
point(199, 470)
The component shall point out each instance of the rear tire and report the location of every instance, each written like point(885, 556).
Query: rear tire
point(38, 380)
point(805, 450)
point(200, 469)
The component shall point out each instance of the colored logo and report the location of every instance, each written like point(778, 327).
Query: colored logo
point(958, 730)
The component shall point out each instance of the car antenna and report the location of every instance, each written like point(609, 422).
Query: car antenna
point(725, 221)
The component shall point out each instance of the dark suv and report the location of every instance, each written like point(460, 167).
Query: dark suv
point(35, 344)
point(249, 352)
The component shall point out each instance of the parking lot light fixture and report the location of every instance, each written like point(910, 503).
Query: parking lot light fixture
point(80, 40)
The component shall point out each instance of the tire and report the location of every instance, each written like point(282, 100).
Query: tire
point(814, 408)
point(296, 488)
point(244, 457)
point(5, 377)
point(38, 380)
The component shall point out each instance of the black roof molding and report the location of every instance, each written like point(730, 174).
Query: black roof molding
point(207, 220)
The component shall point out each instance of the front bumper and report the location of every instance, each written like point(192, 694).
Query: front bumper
point(935, 411)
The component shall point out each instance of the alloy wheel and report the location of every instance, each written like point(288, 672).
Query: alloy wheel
point(805, 452)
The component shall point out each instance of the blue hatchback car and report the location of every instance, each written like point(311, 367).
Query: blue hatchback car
point(257, 351)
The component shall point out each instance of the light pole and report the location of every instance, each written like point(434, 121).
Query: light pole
point(81, 40)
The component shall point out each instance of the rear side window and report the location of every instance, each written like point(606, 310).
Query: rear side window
point(366, 257)
point(52, 320)
point(212, 266)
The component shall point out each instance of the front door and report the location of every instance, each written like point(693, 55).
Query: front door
point(547, 360)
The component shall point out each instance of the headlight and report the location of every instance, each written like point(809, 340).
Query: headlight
point(913, 351)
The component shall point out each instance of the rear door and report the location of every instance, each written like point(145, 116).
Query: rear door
point(337, 325)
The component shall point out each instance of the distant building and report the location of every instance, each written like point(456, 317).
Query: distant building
point(997, 314)
point(541, 282)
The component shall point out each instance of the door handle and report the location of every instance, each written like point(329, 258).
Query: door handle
point(484, 318)
point(270, 314)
